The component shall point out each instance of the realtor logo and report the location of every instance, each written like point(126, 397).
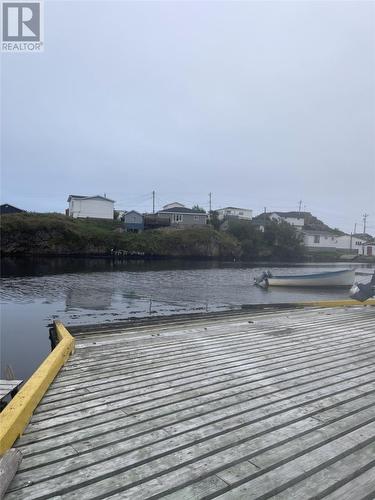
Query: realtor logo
point(22, 26)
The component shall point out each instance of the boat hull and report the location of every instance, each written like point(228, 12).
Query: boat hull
point(335, 278)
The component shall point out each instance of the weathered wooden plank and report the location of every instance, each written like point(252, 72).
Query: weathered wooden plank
point(258, 334)
point(362, 486)
point(151, 367)
point(284, 426)
point(96, 353)
point(181, 467)
point(135, 396)
point(165, 398)
point(156, 364)
point(9, 464)
point(122, 375)
point(332, 475)
point(210, 370)
point(277, 478)
point(125, 427)
point(323, 350)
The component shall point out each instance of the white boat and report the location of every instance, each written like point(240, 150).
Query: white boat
point(343, 277)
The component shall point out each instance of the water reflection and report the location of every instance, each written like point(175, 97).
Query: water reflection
point(94, 299)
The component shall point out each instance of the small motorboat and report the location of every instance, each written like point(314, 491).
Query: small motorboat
point(343, 277)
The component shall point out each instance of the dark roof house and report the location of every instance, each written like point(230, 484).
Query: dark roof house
point(10, 209)
point(183, 217)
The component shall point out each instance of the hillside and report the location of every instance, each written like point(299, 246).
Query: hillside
point(56, 234)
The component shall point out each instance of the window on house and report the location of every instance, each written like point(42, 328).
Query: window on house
point(317, 239)
point(196, 217)
point(240, 213)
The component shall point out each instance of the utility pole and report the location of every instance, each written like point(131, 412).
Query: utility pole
point(153, 202)
point(351, 235)
point(210, 201)
point(300, 205)
point(364, 222)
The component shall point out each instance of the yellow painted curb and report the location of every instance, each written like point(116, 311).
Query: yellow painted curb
point(17, 414)
point(337, 303)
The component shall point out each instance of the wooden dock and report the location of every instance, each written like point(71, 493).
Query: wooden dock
point(236, 406)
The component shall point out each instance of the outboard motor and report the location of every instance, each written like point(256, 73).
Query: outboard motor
point(262, 280)
point(363, 291)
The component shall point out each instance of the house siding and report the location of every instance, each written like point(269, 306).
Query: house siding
point(91, 208)
point(184, 220)
point(323, 241)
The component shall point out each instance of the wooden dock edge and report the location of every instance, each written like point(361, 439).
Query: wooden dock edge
point(17, 414)
point(300, 305)
point(337, 303)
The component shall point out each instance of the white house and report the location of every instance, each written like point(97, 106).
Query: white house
point(90, 207)
point(295, 219)
point(325, 240)
point(234, 212)
point(297, 222)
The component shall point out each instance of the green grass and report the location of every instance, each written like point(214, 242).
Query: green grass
point(56, 234)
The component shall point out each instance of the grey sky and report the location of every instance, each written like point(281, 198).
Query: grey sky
point(261, 103)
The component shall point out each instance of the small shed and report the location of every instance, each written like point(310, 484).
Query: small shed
point(134, 222)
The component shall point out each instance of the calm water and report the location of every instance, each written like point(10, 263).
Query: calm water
point(82, 291)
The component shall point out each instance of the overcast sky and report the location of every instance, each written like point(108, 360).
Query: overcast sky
point(263, 104)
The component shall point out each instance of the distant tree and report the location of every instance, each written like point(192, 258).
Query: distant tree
point(214, 220)
point(283, 241)
point(197, 208)
point(279, 241)
point(248, 235)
